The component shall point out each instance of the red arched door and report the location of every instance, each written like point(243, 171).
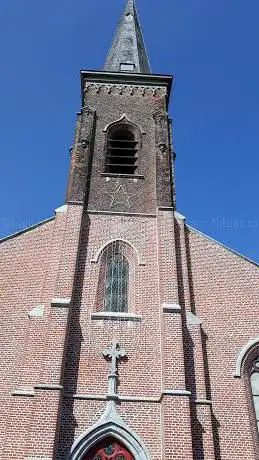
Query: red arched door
point(108, 449)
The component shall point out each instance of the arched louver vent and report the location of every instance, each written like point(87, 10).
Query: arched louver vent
point(122, 151)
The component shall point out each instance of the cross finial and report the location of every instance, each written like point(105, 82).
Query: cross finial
point(114, 353)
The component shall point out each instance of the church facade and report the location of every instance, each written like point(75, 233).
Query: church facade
point(126, 334)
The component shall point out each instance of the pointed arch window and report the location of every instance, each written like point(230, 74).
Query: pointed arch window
point(117, 283)
point(254, 380)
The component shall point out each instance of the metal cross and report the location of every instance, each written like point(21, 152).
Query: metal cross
point(114, 353)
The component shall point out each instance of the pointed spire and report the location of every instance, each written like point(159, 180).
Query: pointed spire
point(128, 52)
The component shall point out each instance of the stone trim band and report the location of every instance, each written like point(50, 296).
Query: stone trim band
point(152, 399)
point(115, 316)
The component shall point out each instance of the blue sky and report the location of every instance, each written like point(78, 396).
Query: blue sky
point(211, 48)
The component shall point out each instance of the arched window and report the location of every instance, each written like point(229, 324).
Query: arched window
point(122, 148)
point(116, 283)
point(109, 449)
point(254, 379)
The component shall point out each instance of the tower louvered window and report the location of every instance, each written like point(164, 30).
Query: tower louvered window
point(117, 281)
point(122, 151)
point(254, 379)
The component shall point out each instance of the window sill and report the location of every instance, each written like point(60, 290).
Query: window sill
point(126, 176)
point(115, 316)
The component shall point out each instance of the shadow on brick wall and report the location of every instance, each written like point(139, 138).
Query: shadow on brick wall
point(73, 350)
point(197, 429)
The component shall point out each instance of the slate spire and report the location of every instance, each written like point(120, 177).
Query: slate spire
point(128, 52)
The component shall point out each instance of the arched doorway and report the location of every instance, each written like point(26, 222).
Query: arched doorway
point(108, 449)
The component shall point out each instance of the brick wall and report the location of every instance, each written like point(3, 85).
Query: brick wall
point(164, 350)
point(224, 290)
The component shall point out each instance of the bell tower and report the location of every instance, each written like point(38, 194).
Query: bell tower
point(125, 281)
point(122, 155)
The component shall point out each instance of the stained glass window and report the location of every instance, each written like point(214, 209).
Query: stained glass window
point(117, 281)
point(109, 449)
point(254, 378)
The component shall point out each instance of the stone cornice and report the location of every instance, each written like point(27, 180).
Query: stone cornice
point(128, 78)
point(125, 89)
point(124, 79)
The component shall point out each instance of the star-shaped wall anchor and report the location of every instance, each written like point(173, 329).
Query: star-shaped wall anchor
point(120, 197)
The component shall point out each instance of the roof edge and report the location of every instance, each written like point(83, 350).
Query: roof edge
point(144, 43)
point(97, 76)
point(25, 230)
point(223, 246)
point(130, 77)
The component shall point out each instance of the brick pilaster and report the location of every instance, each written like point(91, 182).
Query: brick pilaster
point(202, 408)
point(177, 428)
point(48, 391)
point(176, 399)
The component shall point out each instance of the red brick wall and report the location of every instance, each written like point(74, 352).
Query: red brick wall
point(24, 264)
point(163, 350)
point(224, 290)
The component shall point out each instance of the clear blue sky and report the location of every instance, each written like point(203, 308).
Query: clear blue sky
point(212, 49)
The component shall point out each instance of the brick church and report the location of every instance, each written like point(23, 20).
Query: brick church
point(126, 334)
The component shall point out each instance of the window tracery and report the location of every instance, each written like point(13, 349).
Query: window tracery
point(117, 278)
point(109, 449)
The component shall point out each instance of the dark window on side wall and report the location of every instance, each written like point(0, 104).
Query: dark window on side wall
point(254, 380)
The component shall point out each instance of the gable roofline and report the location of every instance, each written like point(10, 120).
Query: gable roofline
point(27, 229)
point(223, 245)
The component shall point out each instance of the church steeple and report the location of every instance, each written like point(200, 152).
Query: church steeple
point(128, 52)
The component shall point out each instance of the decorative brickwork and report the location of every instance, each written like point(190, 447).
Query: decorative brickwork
point(182, 388)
